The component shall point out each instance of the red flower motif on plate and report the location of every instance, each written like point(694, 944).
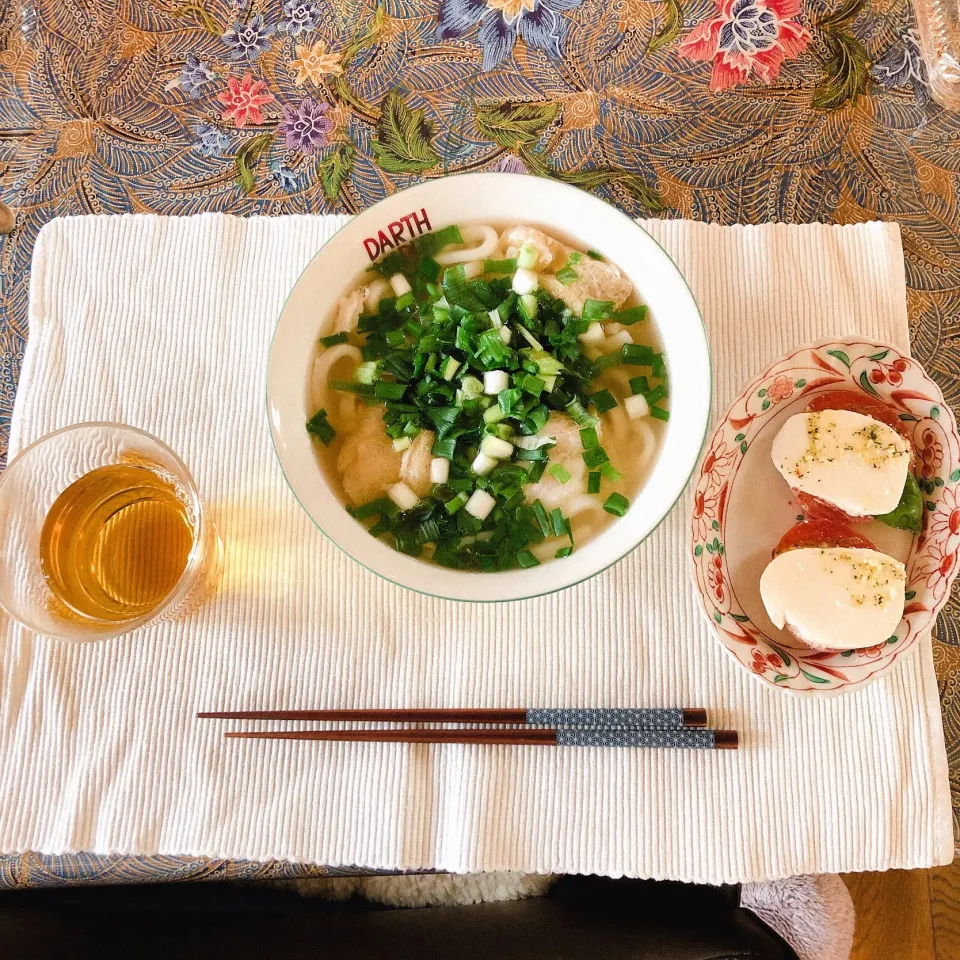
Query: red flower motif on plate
point(781, 388)
point(931, 453)
point(937, 565)
point(946, 519)
point(717, 462)
point(715, 576)
point(761, 662)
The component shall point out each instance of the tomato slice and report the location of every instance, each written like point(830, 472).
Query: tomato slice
point(817, 509)
point(822, 534)
point(863, 403)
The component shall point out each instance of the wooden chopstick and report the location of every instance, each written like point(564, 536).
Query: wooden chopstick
point(681, 737)
point(655, 718)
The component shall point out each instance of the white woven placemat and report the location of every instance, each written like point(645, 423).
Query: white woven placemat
point(165, 324)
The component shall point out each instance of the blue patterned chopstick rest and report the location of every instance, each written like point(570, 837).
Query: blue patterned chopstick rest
point(692, 739)
point(651, 718)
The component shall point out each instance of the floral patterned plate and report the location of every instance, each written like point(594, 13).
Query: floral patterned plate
point(742, 506)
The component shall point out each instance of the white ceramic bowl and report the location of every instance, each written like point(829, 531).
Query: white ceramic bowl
point(496, 198)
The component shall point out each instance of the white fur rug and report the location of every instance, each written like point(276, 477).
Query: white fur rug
point(813, 914)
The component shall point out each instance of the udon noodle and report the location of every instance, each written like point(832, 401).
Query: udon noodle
point(495, 437)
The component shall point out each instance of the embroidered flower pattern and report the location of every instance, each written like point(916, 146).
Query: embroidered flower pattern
point(249, 40)
point(210, 141)
point(314, 62)
point(194, 76)
point(902, 66)
point(243, 100)
point(300, 16)
point(749, 38)
point(511, 164)
point(285, 178)
point(306, 127)
point(537, 22)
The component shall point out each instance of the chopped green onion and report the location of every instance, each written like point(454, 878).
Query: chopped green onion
point(443, 418)
point(527, 257)
point(348, 386)
point(563, 552)
point(333, 339)
point(631, 316)
point(593, 481)
point(603, 400)
point(659, 366)
point(444, 447)
point(450, 368)
point(528, 383)
point(528, 307)
point(610, 472)
point(579, 413)
point(388, 391)
point(494, 415)
point(318, 427)
point(595, 457)
point(526, 559)
point(558, 522)
point(589, 438)
point(509, 399)
point(537, 454)
point(638, 354)
point(640, 385)
point(566, 276)
point(430, 243)
point(459, 293)
point(617, 504)
point(608, 360)
point(404, 301)
point(575, 257)
point(500, 266)
point(536, 418)
point(371, 509)
point(597, 309)
point(540, 515)
point(659, 413)
point(401, 444)
point(455, 503)
point(593, 255)
point(430, 270)
point(366, 372)
point(656, 394)
point(557, 470)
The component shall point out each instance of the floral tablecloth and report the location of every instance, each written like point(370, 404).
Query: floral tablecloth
point(722, 110)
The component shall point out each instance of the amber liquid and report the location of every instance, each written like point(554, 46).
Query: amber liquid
point(115, 543)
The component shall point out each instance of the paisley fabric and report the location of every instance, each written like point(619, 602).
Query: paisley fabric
point(721, 110)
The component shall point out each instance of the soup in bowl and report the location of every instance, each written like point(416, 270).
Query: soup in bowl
point(488, 387)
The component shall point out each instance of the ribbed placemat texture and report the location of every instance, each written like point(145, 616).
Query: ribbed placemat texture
point(165, 324)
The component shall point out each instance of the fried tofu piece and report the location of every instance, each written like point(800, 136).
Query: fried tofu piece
point(368, 464)
point(552, 253)
point(415, 463)
point(596, 280)
point(568, 452)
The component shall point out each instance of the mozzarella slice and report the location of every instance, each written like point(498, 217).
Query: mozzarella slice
point(845, 458)
point(835, 598)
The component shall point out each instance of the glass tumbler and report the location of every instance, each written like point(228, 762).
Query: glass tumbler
point(102, 531)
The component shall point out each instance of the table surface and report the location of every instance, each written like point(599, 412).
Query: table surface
point(732, 111)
